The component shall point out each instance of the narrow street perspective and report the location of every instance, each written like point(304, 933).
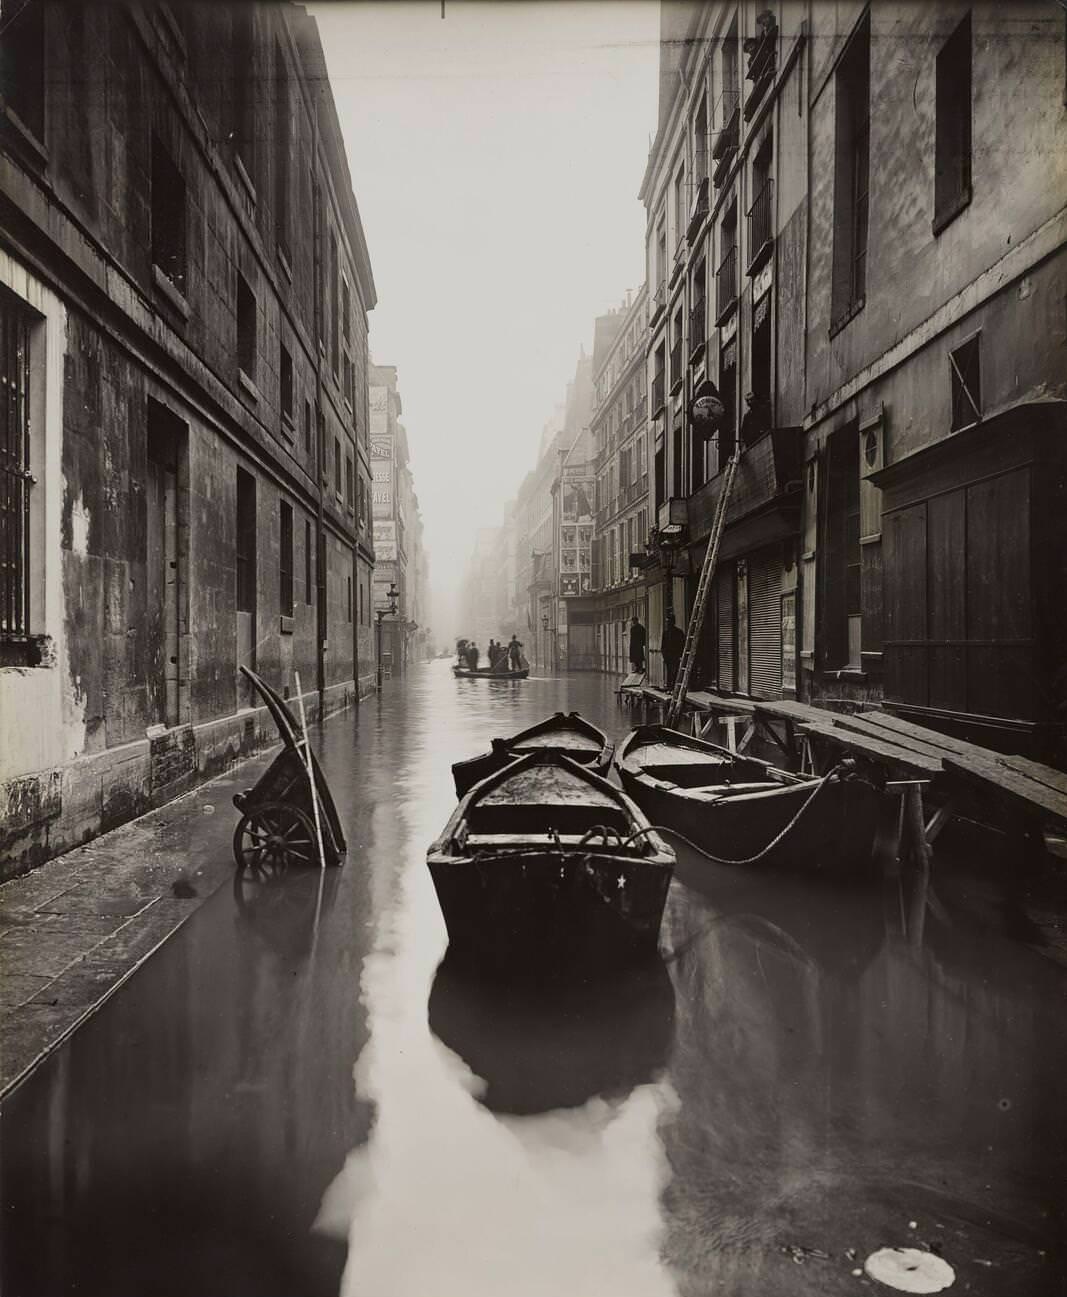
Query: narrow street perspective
point(533, 648)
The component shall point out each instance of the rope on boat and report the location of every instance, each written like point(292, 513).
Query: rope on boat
point(749, 860)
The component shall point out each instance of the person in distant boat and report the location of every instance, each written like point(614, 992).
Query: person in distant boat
point(514, 653)
point(472, 657)
point(490, 653)
point(671, 647)
point(637, 645)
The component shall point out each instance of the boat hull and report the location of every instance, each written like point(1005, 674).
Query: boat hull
point(836, 833)
point(541, 910)
point(464, 673)
point(568, 735)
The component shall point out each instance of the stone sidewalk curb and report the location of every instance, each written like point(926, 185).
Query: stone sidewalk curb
point(79, 926)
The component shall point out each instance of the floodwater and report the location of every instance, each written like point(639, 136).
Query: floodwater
point(295, 1097)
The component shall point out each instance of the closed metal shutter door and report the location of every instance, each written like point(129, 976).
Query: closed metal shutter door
point(765, 624)
point(724, 596)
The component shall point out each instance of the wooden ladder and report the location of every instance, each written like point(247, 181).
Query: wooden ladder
point(700, 602)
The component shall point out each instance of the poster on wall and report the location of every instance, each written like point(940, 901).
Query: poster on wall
point(789, 642)
point(575, 535)
point(568, 585)
point(384, 540)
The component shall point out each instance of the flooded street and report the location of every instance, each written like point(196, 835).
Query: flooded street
point(294, 1096)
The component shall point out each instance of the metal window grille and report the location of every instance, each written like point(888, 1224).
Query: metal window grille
point(16, 481)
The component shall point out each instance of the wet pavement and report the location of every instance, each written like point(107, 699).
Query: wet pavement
point(294, 1095)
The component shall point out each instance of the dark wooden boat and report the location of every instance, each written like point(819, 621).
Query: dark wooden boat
point(735, 807)
point(487, 673)
point(539, 868)
point(567, 733)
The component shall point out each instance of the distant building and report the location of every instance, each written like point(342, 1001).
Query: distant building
point(398, 538)
point(620, 440)
point(184, 288)
point(856, 214)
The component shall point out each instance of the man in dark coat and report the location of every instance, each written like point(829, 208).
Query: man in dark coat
point(637, 646)
point(514, 653)
point(671, 647)
point(472, 657)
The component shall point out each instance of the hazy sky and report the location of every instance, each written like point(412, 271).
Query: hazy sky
point(496, 157)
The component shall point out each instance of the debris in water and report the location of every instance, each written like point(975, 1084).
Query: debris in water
point(908, 1270)
point(800, 1254)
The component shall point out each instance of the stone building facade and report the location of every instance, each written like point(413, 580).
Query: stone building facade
point(398, 537)
point(620, 443)
point(856, 214)
point(184, 289)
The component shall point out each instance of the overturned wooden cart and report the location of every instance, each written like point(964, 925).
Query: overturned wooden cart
point(278, 828)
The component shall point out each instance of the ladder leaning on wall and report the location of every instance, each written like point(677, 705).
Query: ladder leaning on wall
point(700, 601)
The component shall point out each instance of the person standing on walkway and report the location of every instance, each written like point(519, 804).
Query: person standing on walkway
point(637, 646)
point(671, 647)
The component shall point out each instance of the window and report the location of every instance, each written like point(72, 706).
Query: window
point(761, 213)
point(676, 350)
point(349, 599)
point(661, 255)
point(761, 348)
point(15, 480)
point(966, 375)
point(362, 613)
point(362, 489)
point(246, 542)
point(246, 328)
point(952, 143)
point(242, 106)
point(698, 314)
point(282, 150)
point(852, 87)
point(307, 562)
point(335, 322)
point(679, 210)
point(285, 558)
point(349, 381)
point(840, 588)
point(346, 311)
point(700, 144)
point(659, 379)
point(168, 216)
point(337, 466)
point(726, 276)
point(349, 485)
point(728, 396)
point(307, 427)
point(22, 63)
point(286, 385)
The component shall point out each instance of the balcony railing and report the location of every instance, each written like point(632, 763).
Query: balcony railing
point(659, 392)
point(701, 207)
point(727, 116)
point(769, 474)
point(698, 330)
point(678, 265)
point(762, 54)
point(659, 301)
point(726, 284)
point(760, 224)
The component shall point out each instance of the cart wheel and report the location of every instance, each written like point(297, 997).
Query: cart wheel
point(272, 837)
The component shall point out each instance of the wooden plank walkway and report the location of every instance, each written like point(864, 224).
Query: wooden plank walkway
point(899, 759)
point(1022, 793)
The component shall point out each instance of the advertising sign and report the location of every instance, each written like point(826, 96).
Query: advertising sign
point(789, 642)
point(575, 535)
point(568, 585)
point(385, 540)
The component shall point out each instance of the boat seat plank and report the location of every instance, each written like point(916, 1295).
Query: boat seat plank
point(673, 755)
point(1017, 788)
point(876, 749)
point(547, 786)
point(564, 740)
point(540, 840)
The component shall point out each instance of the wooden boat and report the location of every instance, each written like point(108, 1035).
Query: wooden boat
point(488, 673)
point(567, 733)
point(539, 868)
point(735, 807)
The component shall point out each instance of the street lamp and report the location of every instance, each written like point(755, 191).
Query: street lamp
point(393, 594)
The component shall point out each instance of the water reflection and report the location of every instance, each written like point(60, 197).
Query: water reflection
point(284, 907)
point(841, 1090)
point(539, 1048)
